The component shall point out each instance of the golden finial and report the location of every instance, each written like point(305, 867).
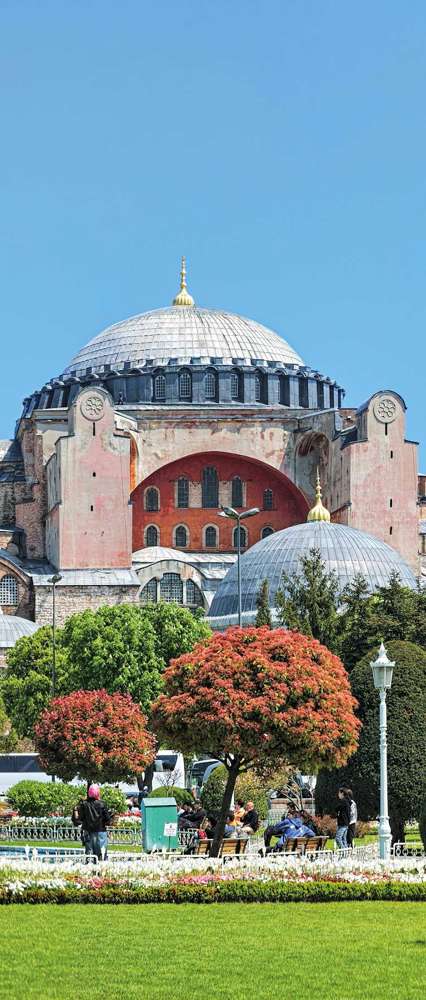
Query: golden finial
point(183, 298)
point(318, 511)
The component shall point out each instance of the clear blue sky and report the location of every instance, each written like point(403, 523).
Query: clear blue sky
point(280, 145)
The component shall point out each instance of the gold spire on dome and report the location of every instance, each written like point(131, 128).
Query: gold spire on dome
point(318, 511)
point(183, 298)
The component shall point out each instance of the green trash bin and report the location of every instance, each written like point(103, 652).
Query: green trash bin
point(159, 825)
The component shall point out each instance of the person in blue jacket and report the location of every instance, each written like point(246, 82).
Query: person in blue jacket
point(281, 829)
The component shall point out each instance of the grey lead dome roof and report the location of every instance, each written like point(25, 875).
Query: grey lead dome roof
point(183, 333)
point(13, 628)
point(345, 550)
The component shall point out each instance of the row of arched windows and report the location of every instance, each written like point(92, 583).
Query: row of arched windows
point(172, 588)
point(181, 536)
point(8, 590)
point(185, 386)
point(209, 493)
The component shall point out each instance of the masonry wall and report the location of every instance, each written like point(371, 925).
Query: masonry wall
point(70, 600)
point(289, 506)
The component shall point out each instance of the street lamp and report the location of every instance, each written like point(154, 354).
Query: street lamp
point(54, 580)
point(235, 516)
point(382, 676)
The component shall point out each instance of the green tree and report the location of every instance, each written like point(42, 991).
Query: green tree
point(176, 629)
point(358, 626)
point(308, 601)
point(8, 736)
point(406, 703)
point(263, 616)
point(123, 648)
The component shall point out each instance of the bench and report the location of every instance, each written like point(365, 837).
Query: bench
point(226, 848)
point(309, 845)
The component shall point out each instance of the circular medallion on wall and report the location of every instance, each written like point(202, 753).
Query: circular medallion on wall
point(92, 407)
point(385, 409)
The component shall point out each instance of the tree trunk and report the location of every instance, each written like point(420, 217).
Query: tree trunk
point(397, 826)
point(233, 773)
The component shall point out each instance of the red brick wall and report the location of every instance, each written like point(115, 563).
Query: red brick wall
point(289, 504)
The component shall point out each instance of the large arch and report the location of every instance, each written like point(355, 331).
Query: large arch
point(289, 505)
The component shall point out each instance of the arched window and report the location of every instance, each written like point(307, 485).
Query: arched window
point(151, 535)
point(8, 590)
point(332, 396)
point(320, 395)
point(160, 388)
point(149, 593)
point(171, 588)
point(284, 390)
point(237, 492)
point(194, 595)
point(211, 537)
point(267, 531)
point(236, 385)
point(185, 385)
point(210, 385)
point(181, 537)
point(268, 500)
point(210, 487)
point(243, 537)
point(182, 492)
point(303, 392)
point(152, 499)
point(260, 388)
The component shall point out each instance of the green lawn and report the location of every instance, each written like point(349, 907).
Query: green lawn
point(344, 951)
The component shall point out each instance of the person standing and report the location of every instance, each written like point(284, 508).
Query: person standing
point(94, 818)
point(353, 818)
point(343, 815)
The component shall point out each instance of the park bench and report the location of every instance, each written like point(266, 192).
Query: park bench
point(226, 849)
point(309, 845)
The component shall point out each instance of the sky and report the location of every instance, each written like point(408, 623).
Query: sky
point(279, 145)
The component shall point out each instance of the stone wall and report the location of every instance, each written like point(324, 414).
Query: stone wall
point(70, 600)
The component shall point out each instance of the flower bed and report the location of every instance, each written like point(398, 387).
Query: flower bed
point(159, 880)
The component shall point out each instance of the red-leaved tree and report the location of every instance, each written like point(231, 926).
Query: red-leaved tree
point(96, 735)
point(261, 699)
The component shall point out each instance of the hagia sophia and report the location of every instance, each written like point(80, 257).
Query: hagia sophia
point(120, 465)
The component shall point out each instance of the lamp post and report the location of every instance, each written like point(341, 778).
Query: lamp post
point(235, 516)
point(54, 580)
point(382, 676)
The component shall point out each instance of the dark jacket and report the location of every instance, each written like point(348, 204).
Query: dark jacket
point(93, 815)
point(251, 818)
point(343, 814)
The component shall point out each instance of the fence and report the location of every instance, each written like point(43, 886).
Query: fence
point(117, 836)
point(408, 849)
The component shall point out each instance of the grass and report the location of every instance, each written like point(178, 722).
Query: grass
point(344, 951)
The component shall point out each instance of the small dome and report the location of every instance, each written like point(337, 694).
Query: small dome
point(13, 628)
point(181, 333)
point(345, 550)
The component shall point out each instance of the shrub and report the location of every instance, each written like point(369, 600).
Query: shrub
point(326, 826)
point(213, 791)
point(251, 788)
point(422, 818)
point(180, 794)
point(35, 798)
point(223, 892)
point(113, 797)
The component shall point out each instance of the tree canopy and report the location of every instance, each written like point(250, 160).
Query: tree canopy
point(350, 621)
point(95, 735)
point(258, 698)
point(406, 703)
point(308, 601)
point(123, 648)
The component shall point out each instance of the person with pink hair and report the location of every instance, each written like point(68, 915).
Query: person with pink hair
point(94, 818)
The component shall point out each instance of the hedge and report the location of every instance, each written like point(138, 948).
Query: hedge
point(227, 892)
point(180, 794)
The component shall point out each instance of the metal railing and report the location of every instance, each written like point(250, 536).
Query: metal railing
point(408, 849)
point(26, 833)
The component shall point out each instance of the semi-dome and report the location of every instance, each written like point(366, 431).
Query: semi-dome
point(345, 550)
point(182, 334)
point(13, 628)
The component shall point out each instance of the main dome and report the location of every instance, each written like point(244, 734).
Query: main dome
point(345, 550)
point(182, 334)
